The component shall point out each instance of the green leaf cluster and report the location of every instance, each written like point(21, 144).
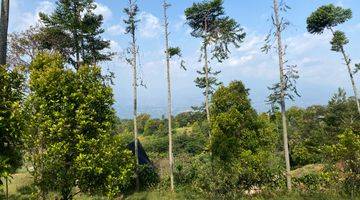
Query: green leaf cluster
point(208, 21)
point(327, 17)
point(68, 137)
point(12, 88)
point(73, 29)
point(241, 141)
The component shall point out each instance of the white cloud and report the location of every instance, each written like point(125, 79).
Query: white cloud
point(340, 3)
point(115, 46)
point(103, 10)
point(300, 44)
point(22, 20)
point(252, 43)
point(150, 25)
point(115, 30)
point(240, 61)
point(180, 23)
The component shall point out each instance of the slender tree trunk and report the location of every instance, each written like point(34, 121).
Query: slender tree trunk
point(7, 188)
point(282, 95)
point(206, 66)
point(171, 157)
point(347, 63)
point(134, 52)
point(76, 37)
point(4, 23)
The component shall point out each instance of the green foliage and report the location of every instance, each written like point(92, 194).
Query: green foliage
point(314, 128)
point(148, 176)
point(235, 127)
point(201, 127)
point(341, 115)
point(212, 82)
point(241, 146)
point(156, 145)
point(308, 134)
point(104, 166)
point(327, 17)
point(11, 122)
point(184, 143)
point(75, 35)
point(314, 182)
point(208, 21)
point(190, 144)
point(357, 68)
point(347, 151)
point(338, 41)
point(131, 22)
point(156, 127)
point(174, 51)
point(291, 75)
point(141, 122)
point(187, 118)
point(69, 121)
point(211, 180)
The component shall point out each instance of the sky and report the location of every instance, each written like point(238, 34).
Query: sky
point(321, 71)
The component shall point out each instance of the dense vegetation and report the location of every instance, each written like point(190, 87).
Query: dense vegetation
point(61, 138)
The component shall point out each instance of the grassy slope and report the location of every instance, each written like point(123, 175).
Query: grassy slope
point(19, 186)
point(23, 179)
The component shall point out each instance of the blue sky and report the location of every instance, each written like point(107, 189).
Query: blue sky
point(321, 70)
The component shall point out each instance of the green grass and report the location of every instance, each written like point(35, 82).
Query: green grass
point(155, 195)
point(19, 189)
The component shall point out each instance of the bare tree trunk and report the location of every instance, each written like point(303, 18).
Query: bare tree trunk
point(282, 95)
point(135, 117)
point(7, 187)
point(206, 66)
point(347, 62)
point(134, 52)
point(76, 37)
point(171, 157)
point(4, 23)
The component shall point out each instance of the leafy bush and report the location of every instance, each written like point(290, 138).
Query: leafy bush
point(242, 143)
point(155, 127)
point(347, 152)
point(314, 182)
point(156, 144)
point(107, 169)
point(187, 118)
point(191, 144)
point(148, 176)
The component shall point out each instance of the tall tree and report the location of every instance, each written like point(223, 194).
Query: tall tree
point(208, 21)
point(131, 26)
point(286, 88)
point(279, 28)
point(169, 53)
point(75, 31)
point(4, 23)
point(328, 17)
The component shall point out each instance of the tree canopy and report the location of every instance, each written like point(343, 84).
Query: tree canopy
point(75, 31)
point(326, 17)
